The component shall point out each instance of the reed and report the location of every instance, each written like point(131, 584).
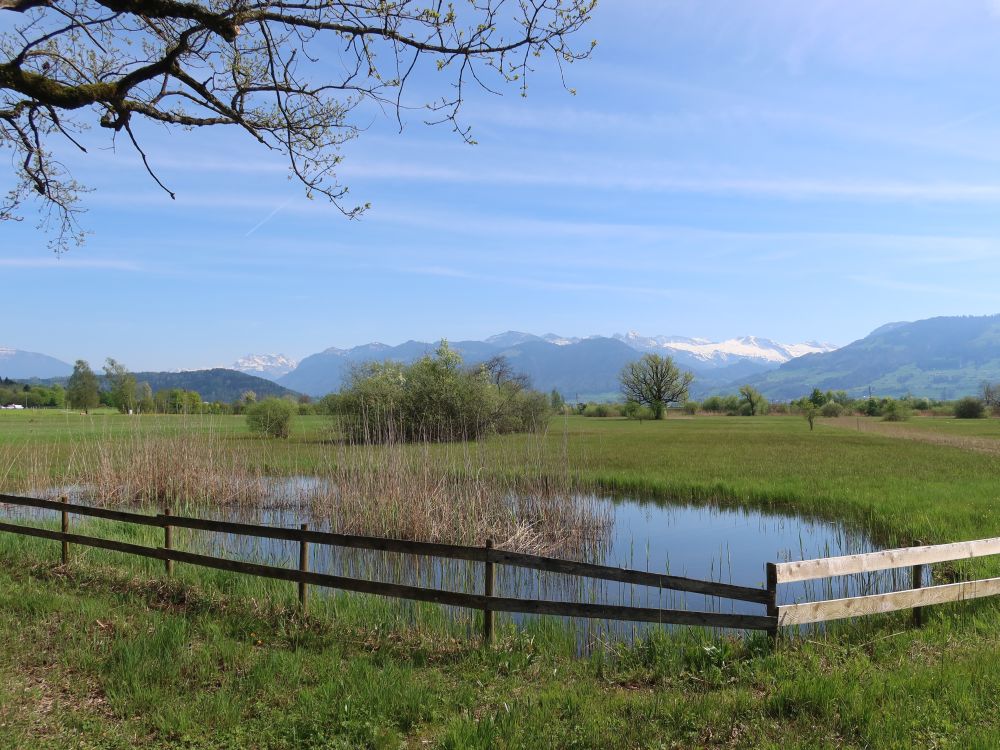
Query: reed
point(463, 493)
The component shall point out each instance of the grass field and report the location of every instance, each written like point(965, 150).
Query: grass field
point(107, 653)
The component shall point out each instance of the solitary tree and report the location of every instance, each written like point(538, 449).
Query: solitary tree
point(656, 382)
point(753, 399)
point(990, 394)
point(145, 396)
point(556, 400)
point(810, 412)
point(121, 386)
point(82, 391)
point(817, 398)
point(300, 77)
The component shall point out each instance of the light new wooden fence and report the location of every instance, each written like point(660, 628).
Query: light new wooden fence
point(490, 557)
point(914, 598)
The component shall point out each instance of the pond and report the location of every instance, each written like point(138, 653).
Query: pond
point(729, 545)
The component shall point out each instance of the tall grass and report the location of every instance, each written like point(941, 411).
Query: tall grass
point(453, 493)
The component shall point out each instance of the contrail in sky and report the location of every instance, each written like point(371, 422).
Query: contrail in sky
point(267, 218)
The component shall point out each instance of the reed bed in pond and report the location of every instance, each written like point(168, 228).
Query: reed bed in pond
point(461, 493)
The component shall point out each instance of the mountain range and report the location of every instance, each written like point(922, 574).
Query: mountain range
point(945, 358)
point(579, 368)
point(20, 365)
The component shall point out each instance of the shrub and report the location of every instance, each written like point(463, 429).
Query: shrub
point(712, 404)
point(271, 417)
point(831, 409)
point(690, 407)
point(437, 399)
point(969, 408)
point(635, 410)
point(895, 411)
point(732, 407)
point(594, 409)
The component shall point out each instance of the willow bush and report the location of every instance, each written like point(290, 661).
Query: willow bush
point(437, 399)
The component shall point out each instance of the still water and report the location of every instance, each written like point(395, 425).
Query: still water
point(729, 545)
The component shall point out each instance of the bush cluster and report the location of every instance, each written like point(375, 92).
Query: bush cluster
point(970, 408)
point(271, 417)
point(436, 399)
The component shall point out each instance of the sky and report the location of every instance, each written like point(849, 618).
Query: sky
point(797, 171)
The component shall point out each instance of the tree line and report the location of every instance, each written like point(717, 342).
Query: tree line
point(119, 389)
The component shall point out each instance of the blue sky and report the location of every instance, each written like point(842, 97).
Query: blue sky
point(784, 169)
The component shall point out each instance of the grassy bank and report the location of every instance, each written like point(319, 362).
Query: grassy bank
point(107, 653)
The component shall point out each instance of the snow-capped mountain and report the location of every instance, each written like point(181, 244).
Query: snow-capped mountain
point(723, 353)
point(269, 366)
point(570, 364)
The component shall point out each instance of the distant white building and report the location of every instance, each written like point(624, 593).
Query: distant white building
point(13, 406)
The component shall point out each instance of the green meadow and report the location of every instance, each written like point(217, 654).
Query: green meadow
point(108, 652)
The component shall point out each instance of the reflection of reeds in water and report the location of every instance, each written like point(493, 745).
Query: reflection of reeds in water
point(461, 493)
point(446, 493)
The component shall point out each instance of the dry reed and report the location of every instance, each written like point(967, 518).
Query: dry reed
point(512, 491)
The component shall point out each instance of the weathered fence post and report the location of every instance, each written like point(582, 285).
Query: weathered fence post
point(303, 567)
point(771, 573)
point(918, 582)
point(65, 530)
point(168, 543)
point(488, 590)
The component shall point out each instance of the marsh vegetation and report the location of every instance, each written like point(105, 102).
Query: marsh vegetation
point(223, 645)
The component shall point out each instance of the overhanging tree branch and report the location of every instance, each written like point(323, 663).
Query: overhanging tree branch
point(264, 67)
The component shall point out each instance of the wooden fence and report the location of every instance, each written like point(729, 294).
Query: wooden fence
point(913, 598)
point(487, 601)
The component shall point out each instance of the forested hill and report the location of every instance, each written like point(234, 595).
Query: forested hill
point(218, 384)
point(942, 358)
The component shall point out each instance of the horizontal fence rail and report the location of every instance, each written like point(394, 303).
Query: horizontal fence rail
point(837, 609)
point(914, 598)
point(827, 567)
point(486, 602)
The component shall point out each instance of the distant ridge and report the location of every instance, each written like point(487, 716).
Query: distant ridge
point(20, 365)
point(577, 367)
point(943, 358)
point(218, 384)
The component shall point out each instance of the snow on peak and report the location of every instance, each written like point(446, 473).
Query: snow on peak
point(555, 338)
point(725, 352)
point(266, 365)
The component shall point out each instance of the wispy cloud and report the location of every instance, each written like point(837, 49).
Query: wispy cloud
point(540, 283)
point(639, 178)
point(917, 287)
point(74, 263)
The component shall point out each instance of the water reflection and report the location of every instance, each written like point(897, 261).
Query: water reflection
point(729, 545)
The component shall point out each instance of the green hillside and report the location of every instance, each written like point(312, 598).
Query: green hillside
point(218, 384)
point(942, 358)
